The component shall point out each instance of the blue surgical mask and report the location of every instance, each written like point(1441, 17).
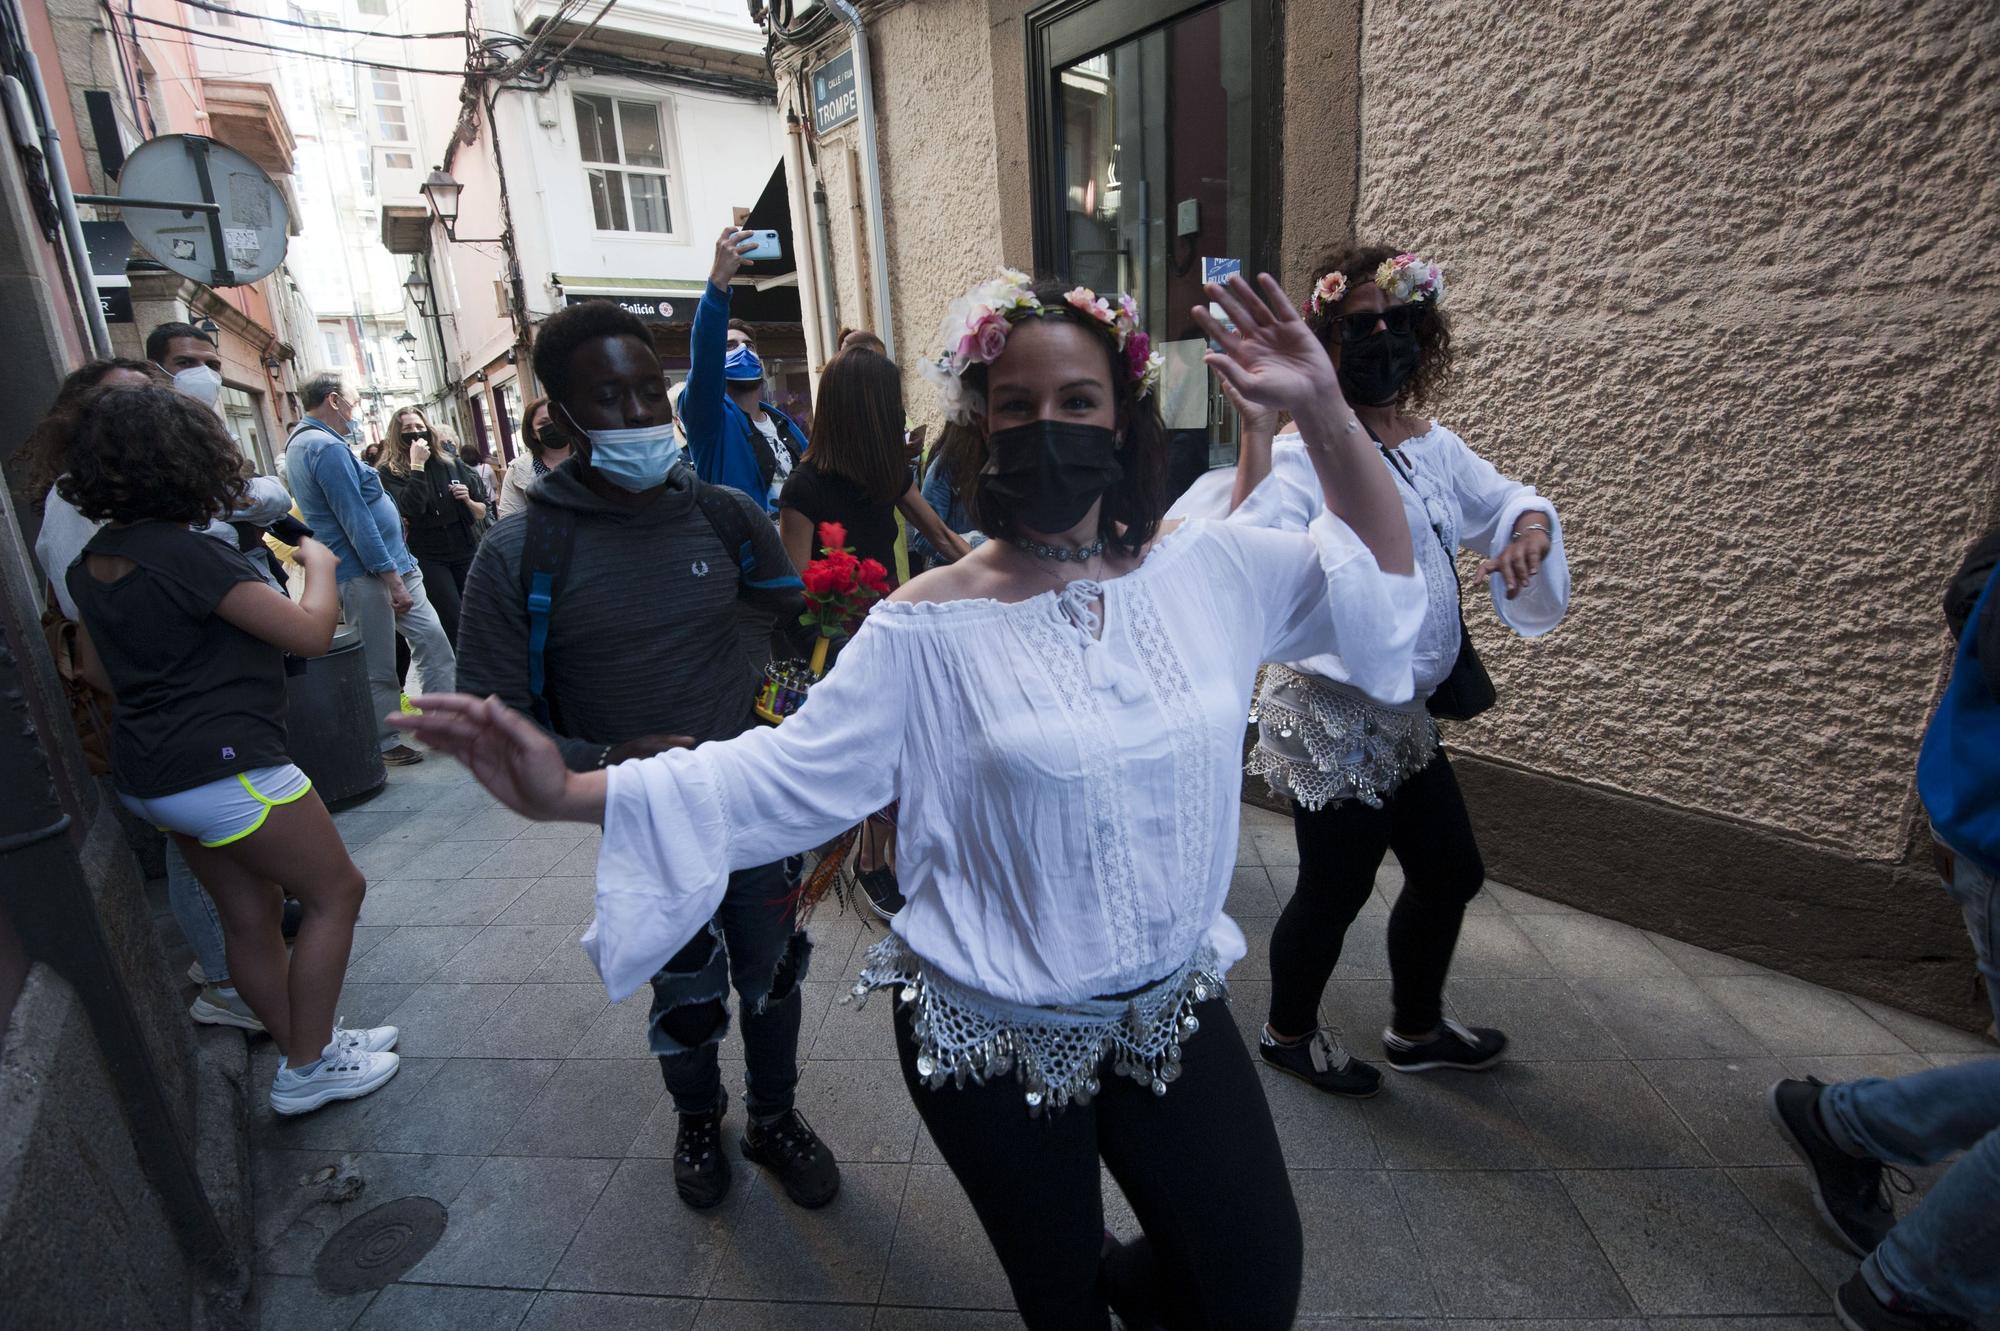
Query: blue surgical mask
point(742, 365)
point(635, 459)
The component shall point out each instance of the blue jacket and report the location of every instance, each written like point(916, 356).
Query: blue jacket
point(725, 448)
point(342, 500)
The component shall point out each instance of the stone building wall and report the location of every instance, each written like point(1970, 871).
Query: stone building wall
point(1725, 278)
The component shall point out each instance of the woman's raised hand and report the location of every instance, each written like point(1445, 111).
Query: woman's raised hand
point(511, 757)
point(1271, 358)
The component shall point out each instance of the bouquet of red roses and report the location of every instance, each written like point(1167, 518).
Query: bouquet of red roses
point(839, 589)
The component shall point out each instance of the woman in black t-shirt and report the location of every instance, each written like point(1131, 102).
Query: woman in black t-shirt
point(187, 636)
point(857, 472)
point(444, 502)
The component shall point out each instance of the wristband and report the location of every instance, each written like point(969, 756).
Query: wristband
point(603, 759)
point(1534, 526)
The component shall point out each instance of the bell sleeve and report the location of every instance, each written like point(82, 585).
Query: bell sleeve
point(1320, 593)
point(677, 824)
point(1492, 504)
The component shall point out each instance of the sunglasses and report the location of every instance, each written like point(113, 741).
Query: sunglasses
point(1398, 318)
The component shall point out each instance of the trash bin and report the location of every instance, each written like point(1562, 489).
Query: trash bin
point(332, 721)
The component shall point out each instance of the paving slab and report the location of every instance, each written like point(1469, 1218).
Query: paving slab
point(436, 1019)
point(538, 1021)
point(779, 1251)
point(1793, 1017)
point(1599, 1115)
point(590, 1107)
point(445, 1308)
point(1542, 1018)
point(298, 1209)
point(1722, 1101)
point(564, 1310)
point(1361, 1247)
point(512, 1223)
point(640, 1239)
point(1512, 1244)
point(466, 1108)
point(1686, 1241)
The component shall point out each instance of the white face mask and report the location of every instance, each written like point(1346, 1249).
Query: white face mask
point(201, 383)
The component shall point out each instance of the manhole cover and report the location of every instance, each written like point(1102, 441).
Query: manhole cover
point(373, 1249)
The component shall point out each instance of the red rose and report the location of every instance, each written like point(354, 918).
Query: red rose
point(820, 580)
point(874, 577)
point(832, 536)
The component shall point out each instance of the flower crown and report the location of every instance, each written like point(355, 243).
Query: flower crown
point(1403, 279)
point(1407, 278)
point(977, 324)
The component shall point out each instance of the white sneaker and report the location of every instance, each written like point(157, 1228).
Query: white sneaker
point(212, 1007)
point(369, 1039)
point(198, 975)
point(342, 1074)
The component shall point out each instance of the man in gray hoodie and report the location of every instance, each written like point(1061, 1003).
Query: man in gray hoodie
point(612, 609)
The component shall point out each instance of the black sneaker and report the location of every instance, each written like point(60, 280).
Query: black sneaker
point(1321, 1062)
point(789, 1148)
point(884, 894)
point(1848, 1190)
point(701, 1166)
point(402, 755)
point(1466, 1048)
point(1859, 1310)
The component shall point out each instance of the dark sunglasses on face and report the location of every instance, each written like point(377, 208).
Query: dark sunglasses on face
point(1399, 319)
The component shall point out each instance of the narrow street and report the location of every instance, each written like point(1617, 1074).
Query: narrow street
point(1618, 1171)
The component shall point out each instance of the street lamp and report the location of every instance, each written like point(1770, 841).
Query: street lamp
point(407, 340)
point(441, 192)
point(419, 292)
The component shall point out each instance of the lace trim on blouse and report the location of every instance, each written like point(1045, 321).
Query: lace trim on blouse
point(1193, 792)
point(1057, 1052)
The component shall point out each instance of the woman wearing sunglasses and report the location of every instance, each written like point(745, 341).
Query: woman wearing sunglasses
point(1365, 776)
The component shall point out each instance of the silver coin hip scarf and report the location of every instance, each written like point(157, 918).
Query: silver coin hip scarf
point(1056, 1052)
point(1319, 742)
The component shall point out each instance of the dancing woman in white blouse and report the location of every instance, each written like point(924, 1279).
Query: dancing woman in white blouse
point(1061, 714)
point(1366, 776)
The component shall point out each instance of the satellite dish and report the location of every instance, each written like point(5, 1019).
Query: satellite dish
point(203, 210)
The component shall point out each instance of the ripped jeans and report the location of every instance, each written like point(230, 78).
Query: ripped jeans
point(752, 944)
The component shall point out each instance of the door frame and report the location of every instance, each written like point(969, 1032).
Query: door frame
point(1065, 31)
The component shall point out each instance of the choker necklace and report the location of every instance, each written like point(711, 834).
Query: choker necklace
point(1061, 554)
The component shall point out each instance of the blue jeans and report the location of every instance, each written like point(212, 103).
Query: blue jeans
point(751, 943)
point(1946, 1254)
point(1978, 895)
point(195, 914)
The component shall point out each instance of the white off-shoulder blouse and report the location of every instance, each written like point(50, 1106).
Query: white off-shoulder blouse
point(1451, 497)
point(1069, 797)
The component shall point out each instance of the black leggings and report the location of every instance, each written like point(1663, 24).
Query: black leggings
point(1340, 848)
point(444, 581)
point(1200, 1165)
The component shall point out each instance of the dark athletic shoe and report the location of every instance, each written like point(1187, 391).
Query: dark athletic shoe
point(884, 894)
point(402, 756)
point(789, 1148)
point(1848, 1190)
point(1465, 1048)
point(1322, 1062)
point(701, 1166)
point(1859, 1310)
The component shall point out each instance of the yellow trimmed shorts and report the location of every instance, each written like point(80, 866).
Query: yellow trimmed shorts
point(223, 811)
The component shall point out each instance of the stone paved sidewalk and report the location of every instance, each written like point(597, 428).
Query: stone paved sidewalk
point(1618, 1172)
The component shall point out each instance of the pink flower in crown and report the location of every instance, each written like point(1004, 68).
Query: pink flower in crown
point(1138, 350)
point(1086, 301)
point(1327, 293)
point(989, 337)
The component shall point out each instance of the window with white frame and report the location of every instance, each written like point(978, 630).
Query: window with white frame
point(627, 161)
point(398, 162)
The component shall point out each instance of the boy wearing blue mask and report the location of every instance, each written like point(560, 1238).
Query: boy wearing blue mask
point(627, 608)
point(735, 438)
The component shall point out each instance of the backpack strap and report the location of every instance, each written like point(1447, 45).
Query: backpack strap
point(551, 533)
point(731, 526)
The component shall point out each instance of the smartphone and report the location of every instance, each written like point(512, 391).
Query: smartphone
point(766, 246)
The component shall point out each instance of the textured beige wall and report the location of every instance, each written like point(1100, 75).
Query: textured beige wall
point(1322, 100)
point(1726, 284)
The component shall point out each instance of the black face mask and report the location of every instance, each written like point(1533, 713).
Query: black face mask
point(414, 435)
point(1373, 370)
point(1051, 472)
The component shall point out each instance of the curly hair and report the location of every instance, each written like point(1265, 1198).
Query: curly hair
point(1130, 514)
point(149, 455)
point(44, 446)
point(395, 454)
point(1435, 374)
point(572, 326)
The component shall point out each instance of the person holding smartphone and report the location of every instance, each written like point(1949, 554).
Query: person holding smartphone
point(183, 630)
point(443, 501)
point(734, 436)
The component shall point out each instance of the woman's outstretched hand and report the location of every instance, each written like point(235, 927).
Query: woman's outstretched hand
point(1272, 359)
point(509, 754)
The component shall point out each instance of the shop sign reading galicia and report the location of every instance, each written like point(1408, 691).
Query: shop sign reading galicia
point(652, 309)
point(835, 98)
